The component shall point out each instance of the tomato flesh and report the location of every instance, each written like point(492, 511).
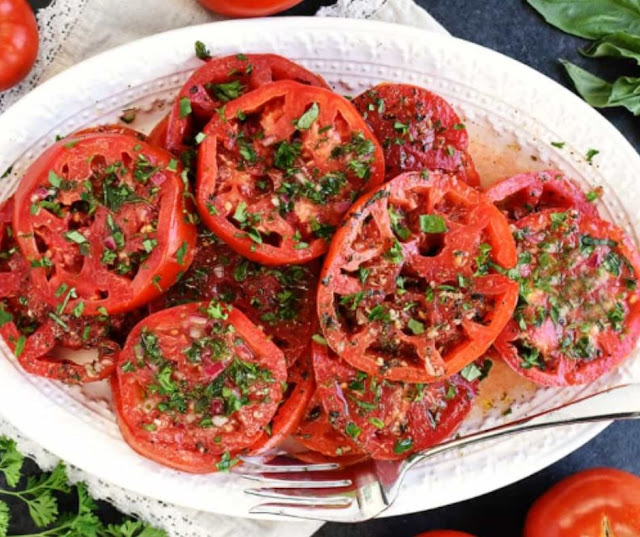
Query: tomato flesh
point(530, 192)
point(408, 291)
point(389, 420)
point(281, 300)
point(219, 81)
point(199, 379)
point(278, 172)
point(579, 312)
point(103, 220)
point(599, 502)
point(418, 130)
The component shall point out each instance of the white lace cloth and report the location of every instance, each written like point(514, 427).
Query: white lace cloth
point(72, 30)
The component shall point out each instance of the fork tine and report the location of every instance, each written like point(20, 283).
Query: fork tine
point(345, 514)
point(273, 482)
point(302, 499)
point(251, 465)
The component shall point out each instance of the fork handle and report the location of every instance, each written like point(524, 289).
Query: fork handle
point(618, 403)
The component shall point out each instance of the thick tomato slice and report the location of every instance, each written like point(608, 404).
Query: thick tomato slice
point(104, 221)
point(300, 388)
point(33, 329)
point(389, 420)
point(221, 80)
point(281, 300)
point(199, 381)
point(407, 291)
point(598, 502)
point(418, 130)
point(318, 435)
point(278, 172)
point(579, 312)
point(530, 192)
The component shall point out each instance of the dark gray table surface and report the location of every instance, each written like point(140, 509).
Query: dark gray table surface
point(515, 30)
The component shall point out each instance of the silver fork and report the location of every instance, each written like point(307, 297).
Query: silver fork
point(330, 493)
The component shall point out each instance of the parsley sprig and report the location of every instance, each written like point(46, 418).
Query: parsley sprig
point(40, 494)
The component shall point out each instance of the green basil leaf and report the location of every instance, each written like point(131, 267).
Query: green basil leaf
point(618, 45)
point(625, 91)
point(593, 19)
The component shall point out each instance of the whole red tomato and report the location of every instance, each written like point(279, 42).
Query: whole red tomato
point(248, 8)
point(444, 533)
point(601, 501)
point(18, 41)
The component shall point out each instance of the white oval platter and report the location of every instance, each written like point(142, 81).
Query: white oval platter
point(513, 114)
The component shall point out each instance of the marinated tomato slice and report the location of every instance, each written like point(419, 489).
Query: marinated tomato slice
point(221, 80)
point(389, 420)
point(530, 192)
point(418, 130)
point(281, 300)
point(33, 329)
point(579, 313)
point(408, 290)
point(279, 169)
point(104, 222)
point(197, 384)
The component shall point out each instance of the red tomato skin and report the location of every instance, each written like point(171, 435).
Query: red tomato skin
point(587, 503)
point(539, 190)
point(248, 8)
point(18, 41)
point(174, 229)
point(444, 533)
point(299, 95)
